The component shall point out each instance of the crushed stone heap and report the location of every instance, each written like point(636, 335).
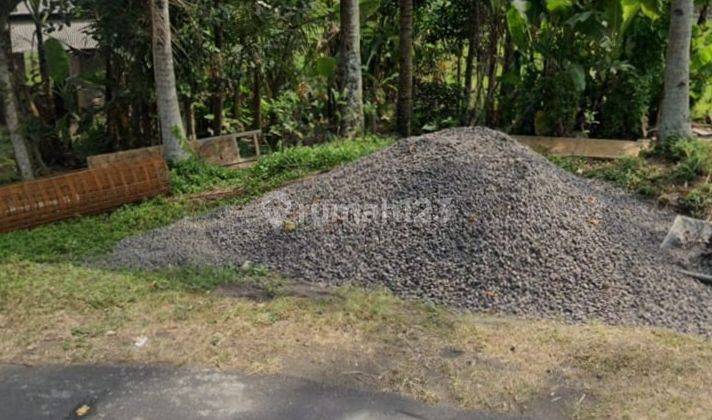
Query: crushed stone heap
point(466, 217)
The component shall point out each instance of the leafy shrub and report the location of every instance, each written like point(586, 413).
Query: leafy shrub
point(698, 201)
point(625, 106)
point(559, 105)
point(701, 72)
point(634, 174)
point(194, 175)
point(694, 158)
point(545, 104)
point(436, 106)
point(316, 158)
point(301, 114)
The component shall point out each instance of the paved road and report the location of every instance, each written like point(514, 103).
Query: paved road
point(161, 392)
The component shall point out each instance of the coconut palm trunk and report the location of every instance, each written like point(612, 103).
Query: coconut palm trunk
point(404, 111)
point(40, 13)
point(350, 70)
point(217, 100)
point(172, 132)
point(22, 156)
point(675, 108)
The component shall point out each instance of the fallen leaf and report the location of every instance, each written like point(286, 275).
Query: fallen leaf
point(289, 226)
point(141, 341)
point(82, 411)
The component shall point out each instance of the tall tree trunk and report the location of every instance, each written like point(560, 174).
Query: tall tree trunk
point(237, 101)
point(404, 111)
point(506, 67)
point(675, 108)
point(189, 114)
point(172, 132)
point(492, 69)
point(35, 8)
point(109, 86)
point(22, 156)
point(350, 70)
point(458, 64)
point(256, 94)
point(469, 64)
point(218, 95)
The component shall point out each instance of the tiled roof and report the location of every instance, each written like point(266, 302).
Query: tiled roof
point(23, 33)
point(21, 9)
point(75, 36)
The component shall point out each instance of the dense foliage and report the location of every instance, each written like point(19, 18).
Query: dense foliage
point(548, 67)
point(674, 173)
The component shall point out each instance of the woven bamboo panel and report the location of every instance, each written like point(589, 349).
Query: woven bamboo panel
point(33, 203)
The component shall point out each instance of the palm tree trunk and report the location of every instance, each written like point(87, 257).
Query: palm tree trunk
point(172, 132)
point(350, 70)
point(218, 96)
point(189, 114)
point(35, 8)
point(404, 111)
point(22, 156)
point(469, 64)
point(492, 69)
point(458, 64)
point(257, 93)
point(675, 108)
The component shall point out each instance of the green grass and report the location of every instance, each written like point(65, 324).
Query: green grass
point(89, 236)
point(54, 309)
point(66, 286)
point(675, 173)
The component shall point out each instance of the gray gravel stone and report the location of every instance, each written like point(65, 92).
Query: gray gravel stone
point(491, 226)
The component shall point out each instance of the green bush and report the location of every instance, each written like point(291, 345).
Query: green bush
point(194, 175)
point(625, 105)
point(692, 157)
point(436, 106)
point(698, 202)
point(631, 173)
point(676, 172)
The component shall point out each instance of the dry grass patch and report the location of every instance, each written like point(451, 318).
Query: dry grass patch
point(68, 314)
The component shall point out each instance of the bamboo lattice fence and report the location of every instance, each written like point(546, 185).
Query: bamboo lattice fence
point(33, 203)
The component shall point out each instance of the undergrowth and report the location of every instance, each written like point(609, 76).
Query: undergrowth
point(94, 235)
point(676, 173)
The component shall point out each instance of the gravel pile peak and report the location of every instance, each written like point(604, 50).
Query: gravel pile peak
point(466, 217)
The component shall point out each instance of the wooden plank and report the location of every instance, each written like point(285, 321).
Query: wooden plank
point(593, 148)
point(97, 161)
point(248, 134)
point(218, 150)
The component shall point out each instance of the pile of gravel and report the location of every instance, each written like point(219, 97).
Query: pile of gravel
point(466, 217)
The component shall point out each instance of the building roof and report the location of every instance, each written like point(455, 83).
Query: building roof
point(22, 30)
point(21, 9)
point(75, 36)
